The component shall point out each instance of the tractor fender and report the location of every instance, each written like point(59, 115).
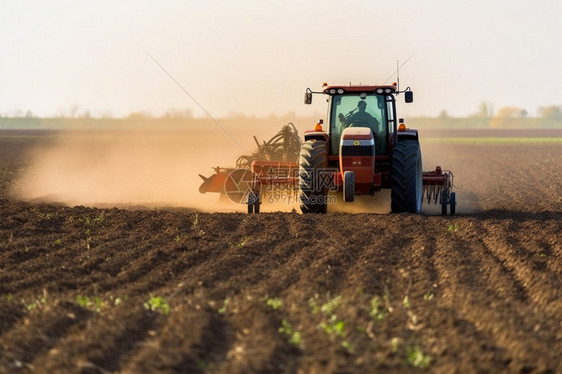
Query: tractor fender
point(316, 135)
point(411, 134)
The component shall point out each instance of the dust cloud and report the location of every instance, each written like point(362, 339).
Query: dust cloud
point(129, 168)
point(435, 152)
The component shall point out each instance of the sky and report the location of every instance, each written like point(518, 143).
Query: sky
point(257, 57)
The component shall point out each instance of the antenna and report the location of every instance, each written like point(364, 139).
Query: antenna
point(397, 76)
point(399, 66)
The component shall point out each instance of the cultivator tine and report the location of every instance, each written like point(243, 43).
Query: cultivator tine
point(432, 192)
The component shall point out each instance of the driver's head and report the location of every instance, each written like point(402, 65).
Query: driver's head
point(362, 105)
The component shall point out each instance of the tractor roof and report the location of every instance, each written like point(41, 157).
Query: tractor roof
point(332, 90)
point(380, 89)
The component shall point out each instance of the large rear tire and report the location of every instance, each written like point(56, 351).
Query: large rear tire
point(407, 179)
point(312, 193)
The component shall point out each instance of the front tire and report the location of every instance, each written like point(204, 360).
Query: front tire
point(407, 179)
point(312, 193)
point(349, 186)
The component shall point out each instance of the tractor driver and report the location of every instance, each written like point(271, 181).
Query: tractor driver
point(360, 118)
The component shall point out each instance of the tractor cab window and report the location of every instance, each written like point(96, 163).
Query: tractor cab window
point(359, 110)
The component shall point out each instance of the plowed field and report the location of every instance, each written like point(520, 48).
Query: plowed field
point(176, 290)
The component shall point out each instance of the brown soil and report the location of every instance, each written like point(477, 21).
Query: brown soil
point(288, 293)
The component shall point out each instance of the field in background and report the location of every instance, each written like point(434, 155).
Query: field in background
point(243, 123)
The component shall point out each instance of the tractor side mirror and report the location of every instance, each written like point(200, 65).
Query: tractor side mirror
point(308, 97)
point(409, 96)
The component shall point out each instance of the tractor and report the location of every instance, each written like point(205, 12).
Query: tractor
point(364, 148)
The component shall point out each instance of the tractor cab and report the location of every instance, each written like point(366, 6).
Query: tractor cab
point(373, 107)
point(354, 110)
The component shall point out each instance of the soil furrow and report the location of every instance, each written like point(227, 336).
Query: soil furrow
point(38, 332)
point(495, 311)
point(202, 344)
point(107, 340)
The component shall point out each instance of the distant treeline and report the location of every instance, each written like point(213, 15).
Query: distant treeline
point(252, 122)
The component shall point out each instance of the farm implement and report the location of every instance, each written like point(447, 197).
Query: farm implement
point(363, 149)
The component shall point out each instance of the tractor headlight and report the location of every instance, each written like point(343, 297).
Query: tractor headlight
point(332, 91)
point(379, 90)
point(387, 90)
point(340, 91)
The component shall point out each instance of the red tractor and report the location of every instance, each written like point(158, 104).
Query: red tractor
point(365, 148)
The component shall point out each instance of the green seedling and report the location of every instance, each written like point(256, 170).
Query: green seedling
point(196, 228)
point(286, 329)
point(327, 308)
point(222, 310)
point(453, 227)
point(395, 344)
point(85, 302)
point(35, 303)
point(243, 242)
point(91, 223)
point(98, 302)
point(30, 306)
point(275, 303)
point(313, 305)
point(428, 296)
point(378, 310)
point(157, 303)
point(406, 302)
point(203, 365)
point(333, 326)
point(416, 358)
point(118, 300)
point(330, 306)
point(295, 338)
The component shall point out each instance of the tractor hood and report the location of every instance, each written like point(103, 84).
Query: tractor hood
point(350, 135)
